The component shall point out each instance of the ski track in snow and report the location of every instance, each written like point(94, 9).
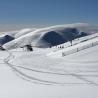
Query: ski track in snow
point(20, 71)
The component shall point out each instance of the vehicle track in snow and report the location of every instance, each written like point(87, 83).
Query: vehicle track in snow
point(24, 76)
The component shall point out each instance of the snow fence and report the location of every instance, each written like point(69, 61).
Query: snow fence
point(79, 47)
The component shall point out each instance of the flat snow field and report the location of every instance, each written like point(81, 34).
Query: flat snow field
point(38, 75)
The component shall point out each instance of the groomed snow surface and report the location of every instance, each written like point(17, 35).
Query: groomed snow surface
point(35, 74)
point(68, 72)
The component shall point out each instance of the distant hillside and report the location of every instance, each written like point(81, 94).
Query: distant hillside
point(51, 36)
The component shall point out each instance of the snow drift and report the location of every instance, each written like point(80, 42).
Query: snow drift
point(24, 31)
point(51, 36)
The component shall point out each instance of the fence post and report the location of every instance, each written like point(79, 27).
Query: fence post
point(63, 54)
point(77, 50)
point(92, 44)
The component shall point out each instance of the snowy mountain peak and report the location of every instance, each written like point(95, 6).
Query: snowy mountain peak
point(50, 36)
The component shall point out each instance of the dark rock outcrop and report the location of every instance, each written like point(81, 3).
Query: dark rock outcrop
point(5, 39)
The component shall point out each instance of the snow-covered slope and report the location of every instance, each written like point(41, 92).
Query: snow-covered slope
point(14, 34)
point(23, 32)
point(75, 69)
point(77, 75)
point(50, 36)
point(38, 75)
point(75, 48)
